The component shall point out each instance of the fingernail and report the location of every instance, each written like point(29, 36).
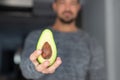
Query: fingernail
point(59, 58)
point(39, 51)
point(46, 62)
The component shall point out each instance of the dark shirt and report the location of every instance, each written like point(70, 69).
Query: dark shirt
point(82, 57)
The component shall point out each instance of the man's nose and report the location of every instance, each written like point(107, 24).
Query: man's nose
point(67, 7)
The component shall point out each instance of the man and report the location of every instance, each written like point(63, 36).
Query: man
point(79, 56)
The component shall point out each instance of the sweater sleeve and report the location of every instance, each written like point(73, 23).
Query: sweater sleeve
point(26, 66)
point(97, 69)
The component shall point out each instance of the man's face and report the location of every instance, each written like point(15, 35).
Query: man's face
point(66, 10)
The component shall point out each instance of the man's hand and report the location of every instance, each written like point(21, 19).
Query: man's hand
point(43, 68)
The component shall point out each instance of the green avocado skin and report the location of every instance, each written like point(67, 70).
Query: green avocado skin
point(47, 36)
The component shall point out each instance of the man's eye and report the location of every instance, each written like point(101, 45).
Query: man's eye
point(73, 3)
point(61, 2)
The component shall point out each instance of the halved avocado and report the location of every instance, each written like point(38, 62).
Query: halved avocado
point(47, 44)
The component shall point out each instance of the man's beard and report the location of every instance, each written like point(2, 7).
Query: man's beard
point(66, 21)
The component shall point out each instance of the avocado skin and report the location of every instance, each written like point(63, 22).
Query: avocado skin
point(47, 44)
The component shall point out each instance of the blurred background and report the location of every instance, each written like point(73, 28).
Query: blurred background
point(100, 18)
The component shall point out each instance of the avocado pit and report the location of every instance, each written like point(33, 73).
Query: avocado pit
point(46, 51)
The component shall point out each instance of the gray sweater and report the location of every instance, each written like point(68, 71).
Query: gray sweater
point(82, 57)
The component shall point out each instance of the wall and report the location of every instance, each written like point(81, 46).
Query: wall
point(113, 38)
point(101, 18)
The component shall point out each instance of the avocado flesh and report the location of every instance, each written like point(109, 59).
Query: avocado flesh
point(47, 44)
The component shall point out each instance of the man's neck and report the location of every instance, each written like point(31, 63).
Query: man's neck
point(59, 26)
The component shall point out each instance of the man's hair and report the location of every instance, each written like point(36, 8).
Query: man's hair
point(81, 2)
point(77, 0)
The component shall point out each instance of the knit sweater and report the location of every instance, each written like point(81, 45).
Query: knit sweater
point(82, 57)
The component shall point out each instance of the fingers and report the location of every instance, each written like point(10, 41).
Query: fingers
point(44, 67)
point(52, 68)
point(34, 56)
